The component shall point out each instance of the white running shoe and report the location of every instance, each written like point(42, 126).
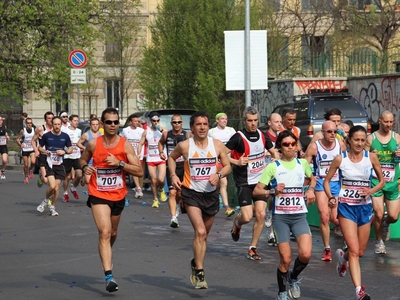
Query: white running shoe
point(380, 247)
point(341, 268)
point(52, 211)
point(42, 206)
point(138, 193)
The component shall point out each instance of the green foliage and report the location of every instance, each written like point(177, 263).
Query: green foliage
point(184, 65)
point(36, 37)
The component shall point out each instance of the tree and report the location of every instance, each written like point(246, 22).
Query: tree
point(36, 37)
point(119, 27)
point(184, 65)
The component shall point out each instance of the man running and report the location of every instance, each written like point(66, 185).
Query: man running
point(54, 144)
point(321, 153)
point(223, 133)
point(133, 133)
point(24, 140)
point(289, 116)
point(247, 148)
point(155, 164)
point(4, 137)
point(71, 161)
point(385, 143)
point(199, 186)
point(112, 156)
point(171, 139)
point(39, 132)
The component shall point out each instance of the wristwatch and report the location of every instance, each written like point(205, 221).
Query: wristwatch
point(121, 164)
point(220, 175)
point(272, 191)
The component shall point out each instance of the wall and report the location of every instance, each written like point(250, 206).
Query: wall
point(375, 93)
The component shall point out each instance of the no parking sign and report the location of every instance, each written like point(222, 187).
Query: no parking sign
point(77, 59)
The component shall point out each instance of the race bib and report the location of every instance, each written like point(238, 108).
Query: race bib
point(75, 150)
point(200, 168)
point(109, 179)
point(350, 191)
point(3, 140)
point(153, 151)
point(27, 145)
point(256, 163)
point(290, 201)
point(54, 159)
point(388, 171)
point(324, 169)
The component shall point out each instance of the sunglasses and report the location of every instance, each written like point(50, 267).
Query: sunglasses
point(155, 121)
point(176, 122)
point(287, 144)
point(64, 116)
point(109, 122)
point(331, 131)
point(28, 123)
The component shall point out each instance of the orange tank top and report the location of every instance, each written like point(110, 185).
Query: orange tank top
point(108, 183)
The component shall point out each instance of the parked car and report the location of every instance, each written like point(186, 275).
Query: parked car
point(311, 108)
point(166, 115)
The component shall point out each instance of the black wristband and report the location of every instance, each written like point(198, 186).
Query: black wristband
point(331, 198)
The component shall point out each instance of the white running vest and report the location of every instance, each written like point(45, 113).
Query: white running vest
point(256, 157)
point(200, 164)
point(354, 177)
point(222, 134)
point(153, 137)
point(323, 160)
point(133, 136)
point(291, 201)
point(27, 143)
point(74, 135)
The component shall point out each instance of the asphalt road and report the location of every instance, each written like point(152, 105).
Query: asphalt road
point(44, 257)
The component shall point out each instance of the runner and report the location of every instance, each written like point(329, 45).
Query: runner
point(385, 144)
point(171, 139)
point(199, 186)
point(247, 148)
point(4, 137)
point(223, 133)
point(355, 208)
point(54, 144)
point(289, 116)
point(287, 176)
point(112, 156)
point(24, 140)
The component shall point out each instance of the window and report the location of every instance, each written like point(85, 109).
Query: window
point(360, 4)
point(314, 50)
point(113, 93)
point(113, 51)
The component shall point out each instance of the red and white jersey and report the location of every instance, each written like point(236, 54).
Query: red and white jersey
point(199, 166)
point(133, 136)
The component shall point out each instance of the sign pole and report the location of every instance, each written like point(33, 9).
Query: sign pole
point(247, 72)
point(79, 100)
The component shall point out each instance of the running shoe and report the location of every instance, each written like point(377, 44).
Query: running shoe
point(174, 222)
point(111, 284)
point(229, 212)
point(385, 230)
point(3, 175)
point(26, 180)
point(39, 181)
point(30, 174)
point(127, 202)
point(282, 296)
point(65, 197)
point(380, 247)
point(341, 268)
point(294, 288)
point(198, 280)
point(52, 211)
point(75, 193)
point(235, 232)
point(272, 240)
point(163, 195)
point(268, 218)
point(362, 295)
point(327, 255)
point(42, 206)
point(193, 268)
point(253, 254)
point(138, 193)
point(156, 204)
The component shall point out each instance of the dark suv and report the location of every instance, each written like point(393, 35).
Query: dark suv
point(311, 108)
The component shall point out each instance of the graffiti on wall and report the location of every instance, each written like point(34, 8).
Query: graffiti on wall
point(369, 99)
point(322, 85)
point(266, 100)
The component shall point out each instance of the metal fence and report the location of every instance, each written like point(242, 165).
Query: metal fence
point(357, 63)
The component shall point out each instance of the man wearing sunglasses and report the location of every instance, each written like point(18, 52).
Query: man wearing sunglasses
point(155, 164)
point(321, 154)
point(223, 133)
point(113, 157)
point(334, 115)
point(24, 140)
point(247, 148)
point(170, 139)
point(64, 121)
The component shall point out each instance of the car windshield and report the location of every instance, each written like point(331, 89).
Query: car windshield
point(350, 108)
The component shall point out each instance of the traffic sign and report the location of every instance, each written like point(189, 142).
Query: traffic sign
point(77, 59)
point(78, 76)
